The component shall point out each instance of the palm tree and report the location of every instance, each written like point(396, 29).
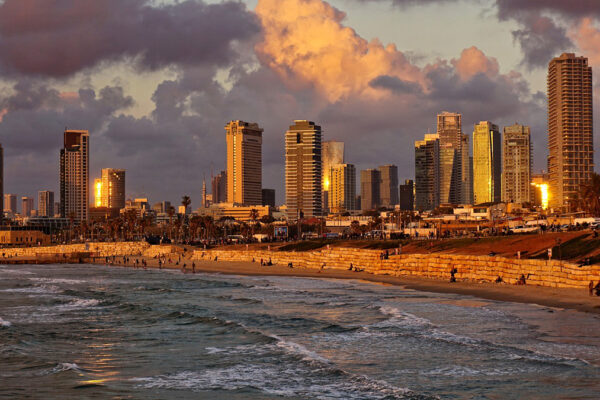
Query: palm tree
point(589, 195)
point(185, 202)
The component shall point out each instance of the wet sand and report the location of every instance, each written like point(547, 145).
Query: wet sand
point(575, 299)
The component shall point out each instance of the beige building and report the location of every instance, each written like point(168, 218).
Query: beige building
point(487, 163)
point(303, 175)
point(239, 213)
point(45, 204)
point(342, 188)
point(26, 206)
point(113, 188)
point(244, 163)
point(74, 175)
point(427, 173)
point(388, 186)
point(516, 170)
point(570, 127)
point(332, 153)
point(219, 188)
point(16, 236)
point(10, 203)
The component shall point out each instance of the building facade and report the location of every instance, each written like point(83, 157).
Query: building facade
point(74, 175)
point(45, 204)
point(370, 197)
point(487, 163)
point(219, 188)
point(570, 128)
point(407, 195)
point(268, 197)
point(27, 206)
point(113, 188)
point(244, 163)
point(303, 175)
point(10, 203)
point(517, 162)
point(388, 191)
point(427, 173)
point(332, 154)
point(452, 158)
point(342, 188)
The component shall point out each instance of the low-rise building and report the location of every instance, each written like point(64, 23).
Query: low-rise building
point(12, 236)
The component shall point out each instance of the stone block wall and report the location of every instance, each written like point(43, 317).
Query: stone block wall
point(471, 268)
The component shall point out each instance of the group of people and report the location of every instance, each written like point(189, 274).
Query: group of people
point(266, 263)
point(594, 288)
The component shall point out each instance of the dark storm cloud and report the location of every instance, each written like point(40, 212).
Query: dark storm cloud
point(395, 84)
point(541, 39)
point(60, 37)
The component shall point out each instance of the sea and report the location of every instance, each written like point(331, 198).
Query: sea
point(101, 332)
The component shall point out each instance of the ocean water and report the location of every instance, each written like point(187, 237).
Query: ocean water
point(93, 332)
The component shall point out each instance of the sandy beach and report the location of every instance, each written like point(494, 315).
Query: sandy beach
point(574, 299)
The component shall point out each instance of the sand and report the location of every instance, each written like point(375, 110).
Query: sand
point(574, 299)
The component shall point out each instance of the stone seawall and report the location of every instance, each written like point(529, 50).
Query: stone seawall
point(438, 266)
point(95, 249)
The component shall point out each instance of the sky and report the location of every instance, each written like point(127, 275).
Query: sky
point(155, 82)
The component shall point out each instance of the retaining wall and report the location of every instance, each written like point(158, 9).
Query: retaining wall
point(472, 268)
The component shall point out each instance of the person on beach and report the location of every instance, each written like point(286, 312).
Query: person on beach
point(159, 263)
point(522, 280)
point(591, 288)
point(453, 271)
point(351, 267)
point(193, 268)
point(290, 265)
point(597, 288)
point(270, 263)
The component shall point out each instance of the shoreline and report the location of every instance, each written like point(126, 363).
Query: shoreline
point(565, 298)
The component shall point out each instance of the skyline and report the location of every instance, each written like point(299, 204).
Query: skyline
point(180, 140)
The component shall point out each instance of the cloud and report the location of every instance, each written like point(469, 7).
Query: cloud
point(307, 44)
point(58, 38)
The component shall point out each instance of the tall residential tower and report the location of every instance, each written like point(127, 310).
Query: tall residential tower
point(303, 176)
point(570, 128)
point(516, 171)
point(487, 163)
point(244, 163)
point(74, 175)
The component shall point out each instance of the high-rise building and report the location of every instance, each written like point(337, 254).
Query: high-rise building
point(466, 172)
point(303, 176)
point(219, 188)
point(113, 188)
point(370, 184)
point(98, 192)
point(74, 175)
point(204, 195)
point(45, 204)
point(10, 203)
point(244, 163)
point(454, 156)
point(427, 172)
point(332, 154)
point(487, 163)
point(570, 127)
point(407, 196)
point(26, 206)
point(516, 170)
point(162, 207)
point(268, 197)
point(342, 188)
point(388, 188)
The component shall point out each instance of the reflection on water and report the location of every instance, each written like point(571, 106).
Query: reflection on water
point(73, 331)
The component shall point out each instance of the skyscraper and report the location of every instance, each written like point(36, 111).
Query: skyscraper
point(570, 127)
point(487, 163)
point(268, 197)
point(10, 203)
point(516, 171)
point(303, 176)
point(454, 158)
point(244, 163)
point(74, 175)
point(113, 188)
point(98, 192)
point(370, 197)
point(45, 203)
point(427, 172)
point(332, 154)
point(407, 196)
point(219, 188)
point(204, 198)
point(342, 188)
point(26, 206)
point(388, 189)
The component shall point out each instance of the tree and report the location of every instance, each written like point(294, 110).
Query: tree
point(185, 202)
